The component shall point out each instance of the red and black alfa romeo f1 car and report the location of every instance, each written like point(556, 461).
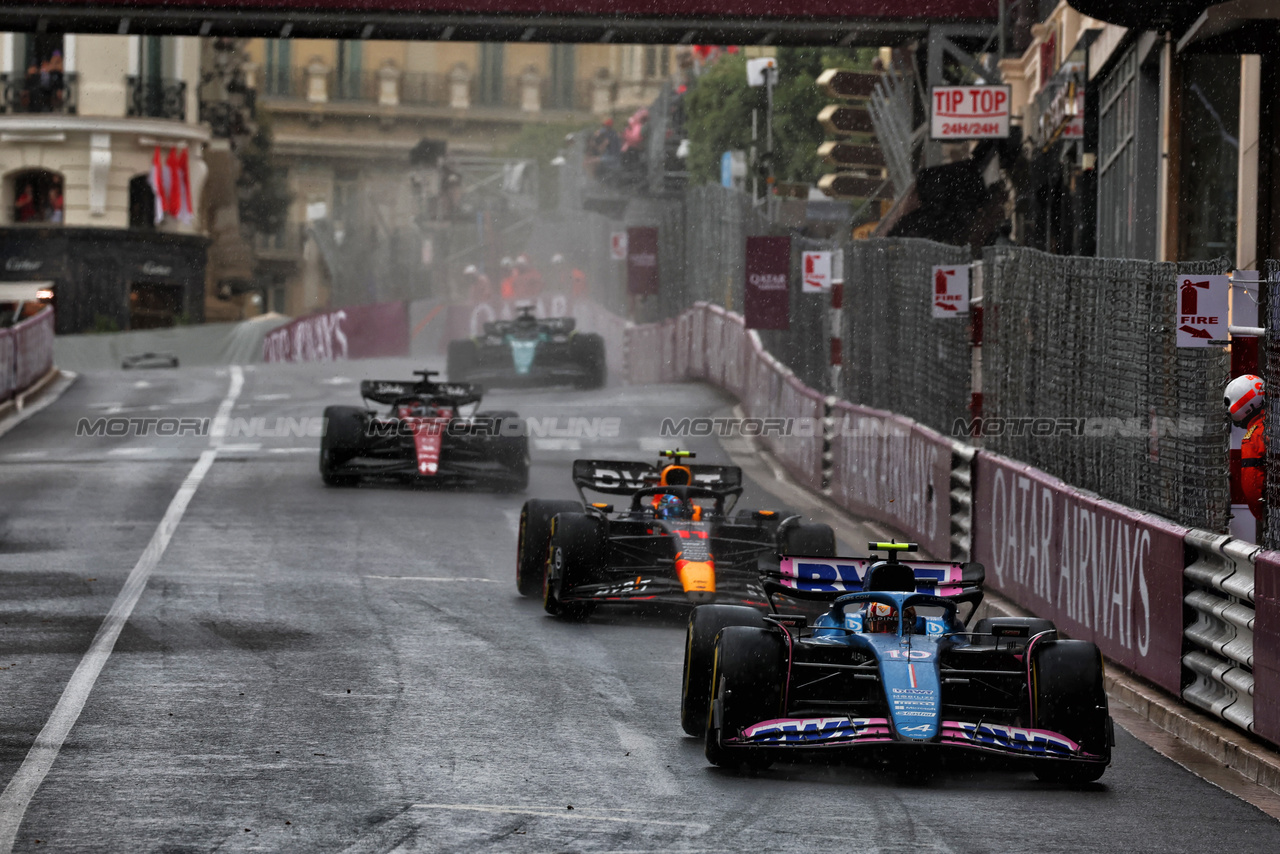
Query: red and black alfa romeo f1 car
point(426, 435)
point(677, 539)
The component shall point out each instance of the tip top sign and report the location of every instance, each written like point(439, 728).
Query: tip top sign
point(970, 112)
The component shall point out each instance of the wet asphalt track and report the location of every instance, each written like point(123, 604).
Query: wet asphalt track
point(332, 670)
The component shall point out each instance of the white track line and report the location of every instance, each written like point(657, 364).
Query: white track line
point(433, 578)
point(22, 788)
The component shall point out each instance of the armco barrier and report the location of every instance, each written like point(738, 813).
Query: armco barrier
point(26, 353)
point(888, 468)
point(961, 500)
point(1100, 571)
point(1220, 590)
point(358, 332)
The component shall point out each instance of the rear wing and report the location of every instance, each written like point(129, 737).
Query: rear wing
point(826, 578)
point(623, 477)
point(548, 325)
point(389, 391)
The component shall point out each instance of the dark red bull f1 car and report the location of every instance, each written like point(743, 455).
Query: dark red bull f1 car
point(429, 433)
point(675, 539)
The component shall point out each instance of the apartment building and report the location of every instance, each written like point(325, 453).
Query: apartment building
point(346, 115)
point(83, 122)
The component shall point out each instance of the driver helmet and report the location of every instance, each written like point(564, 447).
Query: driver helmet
point(672, 507)
point(1244, 397)
point(880, 617)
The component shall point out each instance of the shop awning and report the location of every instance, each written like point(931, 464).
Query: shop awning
point(24, 291)
point(1237, 27)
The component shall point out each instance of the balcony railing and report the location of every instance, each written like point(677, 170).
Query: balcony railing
point(48, 92)
point(156, 98)
point(421, 89)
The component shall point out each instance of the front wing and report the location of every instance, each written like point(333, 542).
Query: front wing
point(826, 734)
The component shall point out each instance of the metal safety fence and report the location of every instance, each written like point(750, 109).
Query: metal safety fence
point(1086, 348)
point(1079, 374)
point(896, 355)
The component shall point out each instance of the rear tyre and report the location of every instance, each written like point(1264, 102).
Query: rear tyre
point(343, 439)
point(511, 451)
point(989, 626)
point(460, 361)
point(748, 678)
point(588, 349)
point(705, 622)
point(577, 547)
point(1069, 698)
point(809, 540)
point(533, 539)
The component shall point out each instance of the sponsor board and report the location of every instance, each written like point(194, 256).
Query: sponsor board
point(1100, 571)
point(893, 471)
point(767, 302)
point(358, 332)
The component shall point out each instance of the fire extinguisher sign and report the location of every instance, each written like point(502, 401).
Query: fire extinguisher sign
point(1202, 310)
point(950, 291)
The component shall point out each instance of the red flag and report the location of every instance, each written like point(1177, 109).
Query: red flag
point(156, 181)
point(172, 200)
point(185, 212)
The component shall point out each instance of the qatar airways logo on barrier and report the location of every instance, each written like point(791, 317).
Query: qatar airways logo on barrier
point(314, 339)
point(1089, 563)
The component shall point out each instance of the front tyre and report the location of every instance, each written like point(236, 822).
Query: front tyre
point(705, 623)
point(808, 540)
point(748, 681)
point(533, 539)
point(1069, 698)
point(343, 439)
point(577, 547)
point(588, 349)
point(460, 361)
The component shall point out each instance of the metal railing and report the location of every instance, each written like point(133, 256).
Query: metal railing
point(426, 89)
point(156, 97)
point(49, 92)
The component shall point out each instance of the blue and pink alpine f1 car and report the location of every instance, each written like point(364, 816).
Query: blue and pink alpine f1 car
point(889, 665)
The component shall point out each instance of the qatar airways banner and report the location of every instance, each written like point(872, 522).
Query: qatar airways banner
point(358, 332)
point(642, 262)
point(1100, 571)
point(1266, 646)
point(767, 303)
point(888, 468)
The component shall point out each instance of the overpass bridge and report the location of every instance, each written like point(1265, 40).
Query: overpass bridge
point(740, 22)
